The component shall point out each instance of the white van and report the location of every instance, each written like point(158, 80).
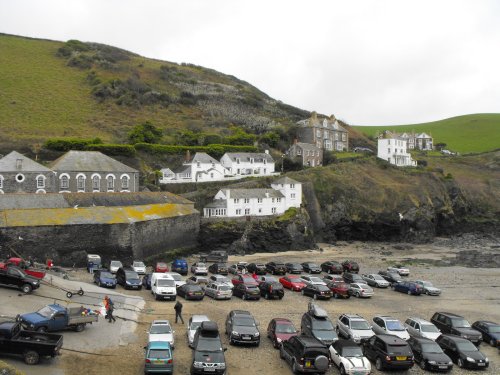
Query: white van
point(163, 286)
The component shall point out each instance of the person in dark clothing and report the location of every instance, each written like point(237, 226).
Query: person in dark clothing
point(178, 312)
point(109, 310)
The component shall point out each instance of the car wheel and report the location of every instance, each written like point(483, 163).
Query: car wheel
point(41, 329)
point(335, 296)
point(281, 352)
point(266, 296)
point(460, 363)
point(357, 294)
point(342, 370)
point(378, 364)
point(422, 364)
point(295, 368)
point(409, 292)
point(315, 296)
point(244, 296)
point(80, 327)
point(26, 288)
point(31, 357)
point(302, 292)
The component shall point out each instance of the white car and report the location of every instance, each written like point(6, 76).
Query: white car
point(384, 324)
point(179, 281)
point(139, 267)
point(161, 330)
point(399, 268)
point(360, 290)
point(354, 327)
point(193, 324)
point(418, 327)
point(199, 269)
point(221, 279)
point(314, 280)
point(349, 358)
point(428, 288)
point(114, 265)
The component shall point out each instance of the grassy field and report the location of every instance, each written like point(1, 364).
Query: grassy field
point(465, 134)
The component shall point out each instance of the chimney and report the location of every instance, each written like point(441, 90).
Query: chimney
point(188, 156)
point(19, 164)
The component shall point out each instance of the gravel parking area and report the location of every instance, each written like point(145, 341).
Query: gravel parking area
point(471, 292)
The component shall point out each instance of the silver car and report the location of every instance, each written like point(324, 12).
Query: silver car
point(388, 325)
point(417, 327)
point(360, 290)
point(428, 288)
point(193, 324)
point(354, 327)
point(221, 279)
point(376, 280)
point(219, 291)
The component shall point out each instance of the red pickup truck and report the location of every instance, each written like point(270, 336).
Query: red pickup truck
point(21, 263)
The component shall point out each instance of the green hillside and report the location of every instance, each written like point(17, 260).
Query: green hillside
point(469, 133)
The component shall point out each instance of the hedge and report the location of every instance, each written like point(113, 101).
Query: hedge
point(214, 150)
point(66, 144)
point(112, 149)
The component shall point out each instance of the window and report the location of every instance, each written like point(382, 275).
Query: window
point(278, 200)
point(260, 210)
point(389, 150)
point(272, 200)
point(1, 182)
point(292, 195)
point(273, 210)
point(388, 141)
point(237, 160)
point(292, 186)
point(64, 182)
point(80, 183)
point(299, 151)
point(198, 164)
point(265, 161)
point(236, 200)
point(238, 211)
point(247, 211)
point(246, 200)
point(40, 182)
point(251, 160)
point(259, 200)
point(344, 137)
point(125, 180)
point(318, 133)
point(96, 183)
point(110, 182)
point(211, 175)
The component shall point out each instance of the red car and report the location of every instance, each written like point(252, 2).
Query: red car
point(161, 267)
point(292, 282)
point(339, 289)
point(244, 279)
point(22, 264)
point(280, 330)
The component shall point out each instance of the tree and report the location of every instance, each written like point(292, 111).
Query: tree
point(145, 133)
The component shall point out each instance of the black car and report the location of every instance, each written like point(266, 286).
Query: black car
point(316, 323)
point(489, 330)
point(310, 267)
point(456, 325)
point(392, 277)
point(388, 352)
point(332, 267)
point(276, 268)
point(305, 355)
point(271, 290)
point(294, 268)
point(208, 352)
point(257, 268)
point(246, 291)
point(463, 352)
point(317, 291)
point(218, 268)
point(191, 292)
point(350, 278)
point(15, 277)
point(350, 266)
point(104, 278)
point(429, 355)
point(128, 278)
point(146, 281)
point(242, 328)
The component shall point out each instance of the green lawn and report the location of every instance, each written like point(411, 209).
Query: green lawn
point(465, 134)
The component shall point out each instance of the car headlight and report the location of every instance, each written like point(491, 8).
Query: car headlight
point(450, 363)
point(257, 334)
point(432, 362)
point(470, 359)
point(486, 359)
point(355, 335)
point(198, 364)
point(127, 282)
point(35, 282)
point(234, 333)
point(465, 336)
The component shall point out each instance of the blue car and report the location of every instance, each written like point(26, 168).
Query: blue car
point(489, 330)
point(180, 266)
point(146, 281)
point(104, 279)
point(408, 287)
point(159, 358)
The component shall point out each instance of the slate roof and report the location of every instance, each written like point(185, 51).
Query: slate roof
point(246, 156)
point(9, 164)
point(203, 157)
point(218, 203)
point(285, 181)
point(89, 161)
point(253, 193)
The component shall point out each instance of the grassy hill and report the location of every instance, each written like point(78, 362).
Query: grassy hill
point(469, 133)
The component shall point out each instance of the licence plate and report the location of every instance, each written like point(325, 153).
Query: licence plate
point(209, 369)
point(158, 362)
point(481, 364)
point(443, 367)
point(401, 358)
point(308, 364)
point(246, 338)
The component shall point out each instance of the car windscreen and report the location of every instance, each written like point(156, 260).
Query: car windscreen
point(398, 349)
point(394, 325)
point(378, 277)
point(213, 357)
point(494, 329)
point(131, 275)
point(244, 322)
point(46, 312)
point(428, 328)
point(427, 284)
point(138, 264)
point(160, 329)
point(431, 347)
point(209, 344)
point(176, 277)
point(116, 263)
point(315, 279)
point(224, 288)
point(360, 324)
point(166, 282)
point(322, 325)
point(107, 275)
point(460, 323)
point(466, 346)
point(322, 288)
point(352, 351)
point(285, 328)
point(201, 265)
point(159, 354)
point(195, 325)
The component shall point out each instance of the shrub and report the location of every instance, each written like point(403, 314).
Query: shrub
point(71, 46)
point(145, 133)
point(112, 149)
point(80, 61)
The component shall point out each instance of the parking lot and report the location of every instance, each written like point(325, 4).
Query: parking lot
point(471, 292)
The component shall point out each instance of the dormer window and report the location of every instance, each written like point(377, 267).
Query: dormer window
point(237, 160)
point(198, 164)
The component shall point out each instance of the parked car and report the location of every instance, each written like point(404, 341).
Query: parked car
point(245, 291)
point(272, 290)
point(218, 268)
point(388, 352)
point(463, 352)
point(384, 324)
point(14, 277)
point(354, 327)
point(257, 268)
point(163, 286)
point(316, 323)
point(179, 266)
point(305, 355)
point(317, 291)
point(146, 281)
point(456, 325)
point(221, 279)
point(429, 355)
point(191, 292)
point(350, 266)
point(306, 279)
point(310, 267)
point(279, 330)
point(400, 269)
point(114, 266)
point(31, 346)
point(360, 290)
point(104, 278)
point(349, 358)
point(161, 267)
point(233, 268)
point(244, 279)
point(161, 330)
point(339, 289)
point(428, 288)
point(292, 282)
point(276, 268)
point(334, 278)
point(218, 290)
point(199, 268)
point(208, 352)
point(139, 267)
point(265, 279)
point(418, 327)
point(375, 280)
point(193, 324)
point(158, 358)
point(489, 330)
point(26, 267)
point(197, 280)
point(294, 268)
point(392, 277)
point(242, 328)
point(128, 278)
point(352, 278)
point(179, 281)
point(217, 256)
point(408, 287)
point(332, 267)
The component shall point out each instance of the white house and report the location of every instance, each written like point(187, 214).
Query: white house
point(394, 150)
point(285, 193)
point(201, 168)
point(248, 163)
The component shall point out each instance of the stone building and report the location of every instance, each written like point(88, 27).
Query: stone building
point(19, 174)
point(308, 154)
point(325, 133)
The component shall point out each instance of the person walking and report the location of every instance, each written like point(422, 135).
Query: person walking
point(110, 307)
point(178, 312)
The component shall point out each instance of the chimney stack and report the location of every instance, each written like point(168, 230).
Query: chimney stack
point(188, 156)
point(19, 164)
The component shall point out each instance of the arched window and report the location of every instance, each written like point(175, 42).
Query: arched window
point(96, 182)
point(40, 182)
point(110, 182)
point(64, 182)
point(80, 182)
point(125, 182)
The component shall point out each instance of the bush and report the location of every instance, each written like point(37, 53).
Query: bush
point(71, 46)
point(80, 61)
point(66, 144)
point(145, 133)
point(112, 149)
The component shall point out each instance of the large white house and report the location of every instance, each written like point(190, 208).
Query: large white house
point(285, 193)
point(394, 150)
point(248, 163)
point(201, 168)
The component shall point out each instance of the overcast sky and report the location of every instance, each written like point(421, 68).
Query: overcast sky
point(368, 62)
